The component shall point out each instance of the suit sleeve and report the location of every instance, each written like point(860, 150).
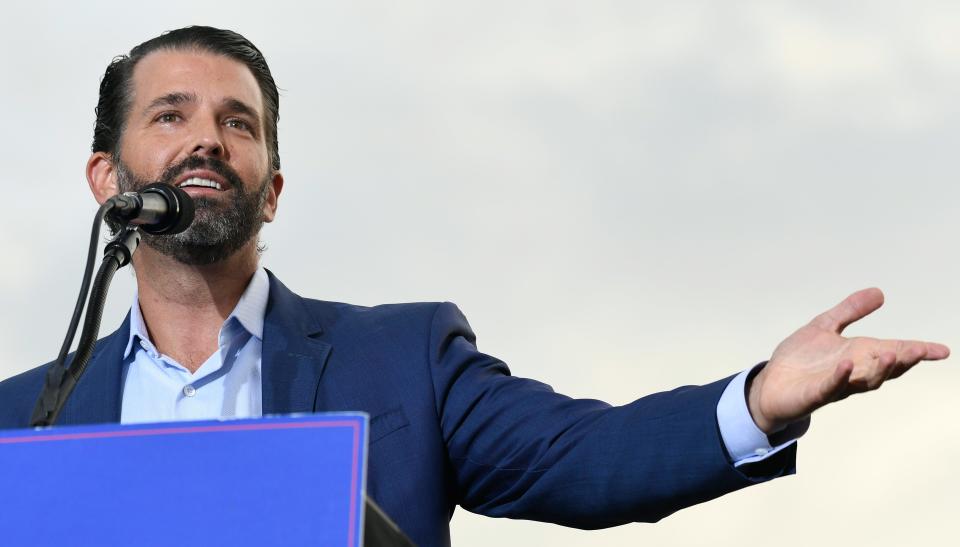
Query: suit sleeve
point(520, 450)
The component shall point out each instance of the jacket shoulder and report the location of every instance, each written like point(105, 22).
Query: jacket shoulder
point(18, 394)
point(404, 316)
point(325, 307)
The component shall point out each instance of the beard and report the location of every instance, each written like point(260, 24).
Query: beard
point(219, 228)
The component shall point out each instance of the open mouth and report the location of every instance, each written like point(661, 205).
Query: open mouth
point(197, 182)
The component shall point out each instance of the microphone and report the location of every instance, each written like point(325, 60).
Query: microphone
point(158, 209)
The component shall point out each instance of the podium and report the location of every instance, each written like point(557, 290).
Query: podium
point(292, 480)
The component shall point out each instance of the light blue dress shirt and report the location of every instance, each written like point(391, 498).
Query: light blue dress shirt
point(228, 384)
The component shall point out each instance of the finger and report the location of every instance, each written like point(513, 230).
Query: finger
point(911, 352)
point(898, 371)
point(888, 367)
point(906, 353)
point(936, 352)
point(853, 308)
point(881, 369)
point(835, 387)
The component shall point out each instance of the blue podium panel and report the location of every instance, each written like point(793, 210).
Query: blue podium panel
point(295, 480)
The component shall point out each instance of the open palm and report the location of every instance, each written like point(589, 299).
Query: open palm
point(816, 366)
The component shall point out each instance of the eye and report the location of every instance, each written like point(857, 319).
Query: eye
point(167, 117)
point(237, 123)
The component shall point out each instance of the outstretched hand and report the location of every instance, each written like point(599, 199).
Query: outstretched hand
point(816, 366)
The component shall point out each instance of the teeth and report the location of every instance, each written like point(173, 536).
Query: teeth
point(200, 182)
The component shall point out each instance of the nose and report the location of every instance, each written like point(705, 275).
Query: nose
point(208, 141)
point(208, 147)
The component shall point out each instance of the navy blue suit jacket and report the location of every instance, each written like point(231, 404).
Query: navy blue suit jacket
point(450, 425)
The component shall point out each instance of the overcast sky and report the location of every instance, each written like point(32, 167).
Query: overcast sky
point(623, 197)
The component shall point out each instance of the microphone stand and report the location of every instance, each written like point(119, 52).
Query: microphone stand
point(60, 379)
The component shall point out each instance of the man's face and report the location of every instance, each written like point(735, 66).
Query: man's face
point(196, 121)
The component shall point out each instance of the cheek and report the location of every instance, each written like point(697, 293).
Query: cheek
point(149, 158)
point(158, 158)
point(257, 162)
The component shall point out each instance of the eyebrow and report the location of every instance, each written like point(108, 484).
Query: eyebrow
point(171, 99)
point(239, 107)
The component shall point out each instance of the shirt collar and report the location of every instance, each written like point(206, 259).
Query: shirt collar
point(248, 313)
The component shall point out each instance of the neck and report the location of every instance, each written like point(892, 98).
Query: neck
point(184, 306)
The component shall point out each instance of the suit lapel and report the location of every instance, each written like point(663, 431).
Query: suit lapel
point(96, 398)
point(293, 358)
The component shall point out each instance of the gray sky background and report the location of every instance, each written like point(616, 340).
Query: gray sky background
point(623, 197)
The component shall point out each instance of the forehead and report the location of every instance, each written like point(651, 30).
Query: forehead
point(212, 77)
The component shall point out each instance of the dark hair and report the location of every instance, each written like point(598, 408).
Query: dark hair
point(114, 103)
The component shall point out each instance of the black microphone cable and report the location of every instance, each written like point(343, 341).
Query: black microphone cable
point(85, 285)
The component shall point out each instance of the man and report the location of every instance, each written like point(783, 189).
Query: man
point(211, 334)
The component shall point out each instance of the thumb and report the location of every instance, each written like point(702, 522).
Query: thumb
point(853, 308)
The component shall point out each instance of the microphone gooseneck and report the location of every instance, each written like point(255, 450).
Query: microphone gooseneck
point(158, 209)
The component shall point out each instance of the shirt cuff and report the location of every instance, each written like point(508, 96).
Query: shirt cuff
point(744, 441)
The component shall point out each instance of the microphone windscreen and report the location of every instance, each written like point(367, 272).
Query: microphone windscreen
point(180, 210)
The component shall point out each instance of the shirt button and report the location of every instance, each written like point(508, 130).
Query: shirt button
point(758, 452)
point(189, 390)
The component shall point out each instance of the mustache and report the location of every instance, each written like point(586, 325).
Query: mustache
point(219, 167)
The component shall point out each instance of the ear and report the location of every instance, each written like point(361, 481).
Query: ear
point(102, 177)
point(273, 194)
